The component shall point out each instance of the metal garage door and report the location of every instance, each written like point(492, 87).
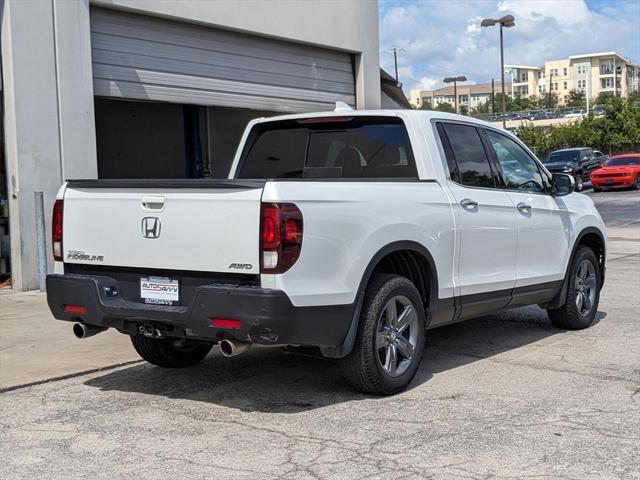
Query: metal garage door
point(146, 58)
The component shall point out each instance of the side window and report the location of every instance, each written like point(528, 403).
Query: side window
point(466, 150)
point(519, 170)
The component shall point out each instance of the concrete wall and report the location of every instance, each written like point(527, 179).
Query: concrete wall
point(48, 85)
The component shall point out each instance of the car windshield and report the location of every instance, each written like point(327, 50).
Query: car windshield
point(567, 156)
point(618, 162)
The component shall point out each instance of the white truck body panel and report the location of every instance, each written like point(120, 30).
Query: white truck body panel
point(347, 223)
point(201, 230)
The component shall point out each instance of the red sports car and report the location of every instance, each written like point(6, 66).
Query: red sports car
point(619, 171)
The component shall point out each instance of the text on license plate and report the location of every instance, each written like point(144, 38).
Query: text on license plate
point(160, 290)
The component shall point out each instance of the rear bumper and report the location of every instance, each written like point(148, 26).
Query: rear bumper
point(266, 316)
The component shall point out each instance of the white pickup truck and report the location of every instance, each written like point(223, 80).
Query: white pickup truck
point(349, 232)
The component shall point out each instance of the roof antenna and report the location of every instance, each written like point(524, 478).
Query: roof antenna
point(342, 107)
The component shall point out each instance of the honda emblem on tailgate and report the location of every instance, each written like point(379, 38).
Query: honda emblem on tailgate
point(150, 227)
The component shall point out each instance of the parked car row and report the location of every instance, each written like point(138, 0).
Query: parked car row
point(588, 165)
point(542, 114)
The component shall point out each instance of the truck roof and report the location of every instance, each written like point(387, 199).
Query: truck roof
point(404, 113)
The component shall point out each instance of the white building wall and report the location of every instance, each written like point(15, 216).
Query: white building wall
point(48, 85)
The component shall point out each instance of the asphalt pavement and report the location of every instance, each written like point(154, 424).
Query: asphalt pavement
point(503, 396)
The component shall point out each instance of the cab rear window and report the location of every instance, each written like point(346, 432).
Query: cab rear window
point(331, 148)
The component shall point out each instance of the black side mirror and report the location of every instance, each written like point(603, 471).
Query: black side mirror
point(562, 184)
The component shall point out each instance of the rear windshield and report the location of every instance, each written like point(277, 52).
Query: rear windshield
point(618, 162)
point(566, 156)
point(348, 147)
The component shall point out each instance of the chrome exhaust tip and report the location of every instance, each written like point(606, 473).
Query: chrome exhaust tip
point(231, 348)
point(82, 330)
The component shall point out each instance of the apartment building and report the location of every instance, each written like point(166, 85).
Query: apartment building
point(469, 96)
point(591, 74)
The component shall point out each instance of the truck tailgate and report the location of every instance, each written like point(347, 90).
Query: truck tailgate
point(210, 226)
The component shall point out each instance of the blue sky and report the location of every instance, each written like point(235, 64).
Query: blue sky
point(441, 38)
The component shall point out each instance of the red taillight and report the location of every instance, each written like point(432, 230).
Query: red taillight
point(280, 237)
point(56, 231)
point(225, 323)
point(75, 309)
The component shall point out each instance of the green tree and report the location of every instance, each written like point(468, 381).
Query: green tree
point(618, 131)
point(576, 99)
point(444, 107)
point(464, 110)
point(604, 98)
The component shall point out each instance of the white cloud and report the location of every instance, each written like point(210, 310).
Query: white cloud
point(444, 38)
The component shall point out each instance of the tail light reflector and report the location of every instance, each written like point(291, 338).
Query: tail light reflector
point(280, 237)
point(225, 323)
point(56, 231)
point(75, 309)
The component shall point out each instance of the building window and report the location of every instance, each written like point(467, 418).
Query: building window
point(564, 85)
point(582, 83)
point(525, 77)
point(426, 100)
point(463, 98)
point(606, 82)
point(565, 71)
point(582, 69)
point(555, 86)
point(606, 69)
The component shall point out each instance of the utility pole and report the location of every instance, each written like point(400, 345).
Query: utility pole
point(395, 51)
point(587, 88)
point(395, 61)
point(493, 96)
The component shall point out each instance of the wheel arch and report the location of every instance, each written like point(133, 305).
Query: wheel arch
point(593, 238)
point(407, 258)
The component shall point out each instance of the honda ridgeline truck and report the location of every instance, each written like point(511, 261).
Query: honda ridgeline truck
point(349, 232)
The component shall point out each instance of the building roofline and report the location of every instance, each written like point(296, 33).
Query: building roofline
point(598, 54)
point(523, 66)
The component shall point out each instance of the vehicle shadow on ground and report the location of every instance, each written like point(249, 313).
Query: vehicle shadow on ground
point(270, 381)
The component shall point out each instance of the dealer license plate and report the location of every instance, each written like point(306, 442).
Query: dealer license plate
point(160, 290)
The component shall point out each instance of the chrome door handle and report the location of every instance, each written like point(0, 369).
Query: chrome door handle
point(523, 207)
point(468, 203)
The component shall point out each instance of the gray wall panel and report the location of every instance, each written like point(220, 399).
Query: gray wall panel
point(146, 58)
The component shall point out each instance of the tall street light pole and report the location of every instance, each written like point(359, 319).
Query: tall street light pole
point(507, 21)
point(455, 81)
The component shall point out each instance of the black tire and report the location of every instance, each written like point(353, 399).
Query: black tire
point(597, 190)
point(170, 352)
point(569, 316)
point(636, 183)
point(363, 368)
point(578, 182)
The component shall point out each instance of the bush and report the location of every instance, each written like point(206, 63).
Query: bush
point(618, 131)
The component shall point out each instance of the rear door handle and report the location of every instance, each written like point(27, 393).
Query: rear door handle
point(523, 207)
point(468, 203)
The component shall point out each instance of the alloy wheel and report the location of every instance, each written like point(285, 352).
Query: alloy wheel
point(585, 287)
point(397, 335)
